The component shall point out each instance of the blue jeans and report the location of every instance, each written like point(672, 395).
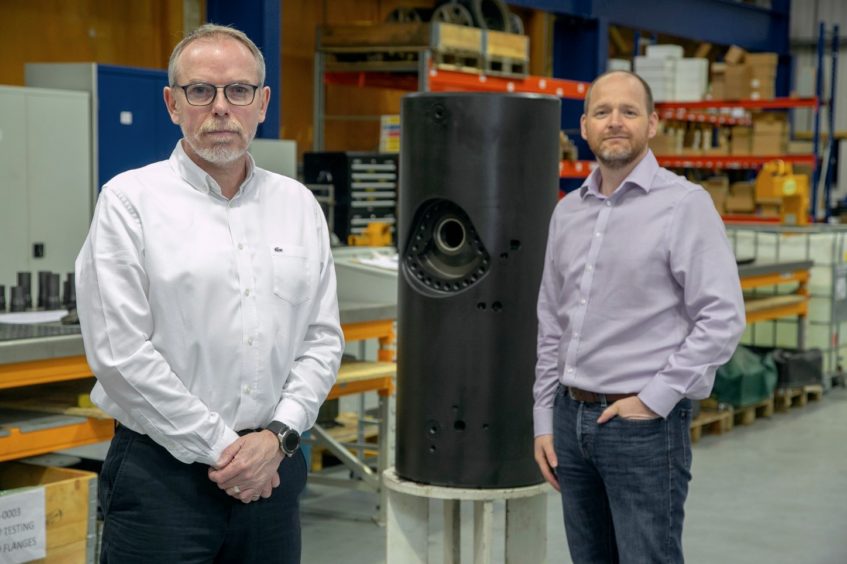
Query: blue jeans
point(158, 510)
point(624, 483)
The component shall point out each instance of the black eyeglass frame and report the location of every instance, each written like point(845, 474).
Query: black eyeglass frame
point(184, 87)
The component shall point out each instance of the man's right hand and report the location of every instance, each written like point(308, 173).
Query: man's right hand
point(545, 457)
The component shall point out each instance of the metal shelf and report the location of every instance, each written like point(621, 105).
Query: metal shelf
point(739, 162)
point(773, 104)
point(682, 114)
point(442, 80)
point(576, 169)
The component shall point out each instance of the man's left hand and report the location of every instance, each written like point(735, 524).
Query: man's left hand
point(248, 465)
point(628, 408)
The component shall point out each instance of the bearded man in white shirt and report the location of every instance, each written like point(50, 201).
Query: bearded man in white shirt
point(206, 295)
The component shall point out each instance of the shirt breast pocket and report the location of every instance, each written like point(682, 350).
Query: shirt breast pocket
point(294, 273)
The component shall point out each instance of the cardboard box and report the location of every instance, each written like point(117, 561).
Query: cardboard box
point(719, 196)
point(735, 55)
point(769, 123)
point(740, 143)
point(767, 145)
point(741, 198)
point(68, 511)
point(718, 189)
point(737, 82)
point(665, 143)
point(770, 209)
point(717, 182)
point(761, 59)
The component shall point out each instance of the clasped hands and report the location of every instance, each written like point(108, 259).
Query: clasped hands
point(248, 468)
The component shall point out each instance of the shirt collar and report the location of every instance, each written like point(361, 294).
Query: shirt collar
point(641, 176)
point(198, 178)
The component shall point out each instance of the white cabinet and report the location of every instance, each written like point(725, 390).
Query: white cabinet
point(45, 180)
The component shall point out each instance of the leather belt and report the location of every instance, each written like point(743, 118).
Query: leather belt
point(594, 397)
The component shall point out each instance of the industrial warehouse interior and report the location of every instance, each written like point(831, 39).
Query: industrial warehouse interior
point(423, 281)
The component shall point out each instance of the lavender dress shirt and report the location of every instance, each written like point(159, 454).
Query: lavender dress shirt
point(640, 293)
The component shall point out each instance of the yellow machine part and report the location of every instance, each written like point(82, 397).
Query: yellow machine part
point(376, 234)
point(776, 183)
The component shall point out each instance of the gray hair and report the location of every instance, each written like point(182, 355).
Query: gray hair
point(651, 107)
point(210, 31)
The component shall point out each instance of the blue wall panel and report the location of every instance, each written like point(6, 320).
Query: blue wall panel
point(261, 20)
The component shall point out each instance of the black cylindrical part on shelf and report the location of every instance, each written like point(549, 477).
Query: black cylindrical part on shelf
point(43, 276)
point(25, 282)
point(2, 298)
point(17, 299)
point(478, 183)
point(69, 296)
point(53, 300)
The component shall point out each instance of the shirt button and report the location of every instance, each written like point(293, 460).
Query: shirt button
point(250, 341)
point(247, 292)
point(570, 370)
point(608, 203)
point(247, 390)
point(576, 335)
point(583, 301)
point(597, 234)
point(240, 247)
point(589, 268)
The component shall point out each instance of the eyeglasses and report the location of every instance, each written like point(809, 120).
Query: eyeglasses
point(203, 93)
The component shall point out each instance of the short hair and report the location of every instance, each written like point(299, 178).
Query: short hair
point(209, 31)
point(651, 107)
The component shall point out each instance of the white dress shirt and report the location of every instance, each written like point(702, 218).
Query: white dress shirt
point(640, 293)
point(203, 316)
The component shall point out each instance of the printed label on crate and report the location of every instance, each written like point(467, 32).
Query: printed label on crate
point(22, 526)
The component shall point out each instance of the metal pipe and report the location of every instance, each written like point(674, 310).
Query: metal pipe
point(833, 143)
point(817, 130)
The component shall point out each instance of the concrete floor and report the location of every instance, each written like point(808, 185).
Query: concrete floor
point(774, 492)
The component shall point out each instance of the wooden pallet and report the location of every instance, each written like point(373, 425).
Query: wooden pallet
point(747, 414)
point(786, 398)
point(711, 422)
point(346, 432)
point(505, 66)
point(464, 61)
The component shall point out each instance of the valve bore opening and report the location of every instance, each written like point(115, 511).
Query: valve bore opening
point(449, 235)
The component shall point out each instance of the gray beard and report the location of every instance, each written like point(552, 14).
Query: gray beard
point(219, 154)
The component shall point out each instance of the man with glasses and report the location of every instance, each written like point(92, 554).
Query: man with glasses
point(206, 295)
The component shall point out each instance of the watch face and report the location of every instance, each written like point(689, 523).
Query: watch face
point(290, 442)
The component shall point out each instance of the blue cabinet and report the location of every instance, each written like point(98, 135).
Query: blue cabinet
point(134, 128)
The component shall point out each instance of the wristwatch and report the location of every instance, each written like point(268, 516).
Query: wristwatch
point(289, 439)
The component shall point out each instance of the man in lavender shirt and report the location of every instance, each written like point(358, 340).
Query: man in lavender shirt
point(640, 302)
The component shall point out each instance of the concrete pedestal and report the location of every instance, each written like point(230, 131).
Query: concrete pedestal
point(407, 521)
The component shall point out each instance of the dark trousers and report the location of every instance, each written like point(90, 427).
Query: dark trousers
point(159, 510)
point(624, 483)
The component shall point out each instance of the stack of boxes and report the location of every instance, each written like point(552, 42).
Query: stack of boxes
point(672, 77)
point(738, 197)
point(744, 76)
point(768, 137)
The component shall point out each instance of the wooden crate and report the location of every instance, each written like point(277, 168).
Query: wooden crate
point(506, 53)
point(68, 511)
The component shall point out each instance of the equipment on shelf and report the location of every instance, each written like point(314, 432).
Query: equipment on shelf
point(453, 13)
point(477, 195)
point(376, 234)
point(365, 188)
point(777, 185)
